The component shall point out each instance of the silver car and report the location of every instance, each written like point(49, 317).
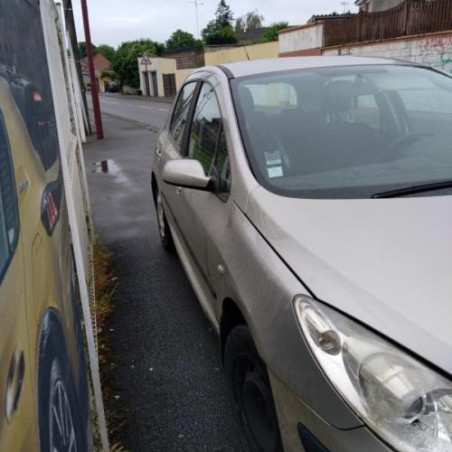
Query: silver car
point(309, 200)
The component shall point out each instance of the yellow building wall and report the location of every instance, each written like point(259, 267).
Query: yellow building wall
point(181, 75)
point(243, 53)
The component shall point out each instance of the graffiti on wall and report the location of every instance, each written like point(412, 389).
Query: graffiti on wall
point(437, 51)
point(446, 63)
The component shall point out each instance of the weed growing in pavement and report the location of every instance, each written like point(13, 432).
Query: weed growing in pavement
point(105, 285)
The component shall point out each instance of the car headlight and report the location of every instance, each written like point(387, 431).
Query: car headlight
point(405, 402)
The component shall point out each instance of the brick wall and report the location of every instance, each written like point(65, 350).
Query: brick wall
point(188, 59)
point(434, 50)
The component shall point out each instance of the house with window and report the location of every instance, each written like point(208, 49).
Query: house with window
point(102, 67)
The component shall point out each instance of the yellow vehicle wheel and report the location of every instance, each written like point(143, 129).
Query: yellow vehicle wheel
point(59, 417)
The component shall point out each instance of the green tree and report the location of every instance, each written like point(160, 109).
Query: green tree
point(181, 39)
point(219, 30)
point(125, 61)
point(223, 16)
point(107, 51)
point(250, 21)
point(82, 49)
point(159, 48)
point(272, 33)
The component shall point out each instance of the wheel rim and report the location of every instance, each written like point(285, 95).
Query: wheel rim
point(62, 430)
point(255, 405)
point(160, 216)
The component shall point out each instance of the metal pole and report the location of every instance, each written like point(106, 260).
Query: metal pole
point(197, 3)
point(92, 73)
point(197, 17)
point(70, 25)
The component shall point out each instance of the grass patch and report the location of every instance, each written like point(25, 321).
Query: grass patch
point(105, 285)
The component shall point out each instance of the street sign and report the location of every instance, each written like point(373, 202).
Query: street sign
point(146, 60)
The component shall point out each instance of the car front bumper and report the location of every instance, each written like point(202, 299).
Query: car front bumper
point(302, 430)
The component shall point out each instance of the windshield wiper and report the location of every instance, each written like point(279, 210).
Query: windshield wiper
point(413, 189)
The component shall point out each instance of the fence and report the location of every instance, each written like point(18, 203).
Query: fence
point(68, 108)
point(408, 18)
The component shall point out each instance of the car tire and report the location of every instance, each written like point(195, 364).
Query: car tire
point(251, 391)
point(164, 231)
point(59, 418)
point(83, 395)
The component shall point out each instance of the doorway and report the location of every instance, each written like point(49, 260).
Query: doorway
point(146, 84)
point(155, 90)
point(169, 85)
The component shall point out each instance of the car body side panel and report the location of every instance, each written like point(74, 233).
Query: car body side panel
point(258, 281)
point(46, 275)
point(19, 429)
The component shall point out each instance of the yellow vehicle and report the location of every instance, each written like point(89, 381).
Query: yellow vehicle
point(44, 402)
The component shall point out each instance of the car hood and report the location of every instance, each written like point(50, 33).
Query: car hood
point(385, 262)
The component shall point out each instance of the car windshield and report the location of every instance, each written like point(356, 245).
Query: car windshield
point(346, 132)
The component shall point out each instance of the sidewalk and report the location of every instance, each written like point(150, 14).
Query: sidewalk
point(172, 392)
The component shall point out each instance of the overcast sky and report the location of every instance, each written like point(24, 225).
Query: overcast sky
point(115, 21)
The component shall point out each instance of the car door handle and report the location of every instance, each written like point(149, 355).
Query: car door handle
point(14, 383)
point(178, 190)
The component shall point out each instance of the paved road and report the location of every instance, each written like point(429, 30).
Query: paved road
point(167, 365)
point(144, 111)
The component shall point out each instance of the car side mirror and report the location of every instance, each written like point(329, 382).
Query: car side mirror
point(187, 173)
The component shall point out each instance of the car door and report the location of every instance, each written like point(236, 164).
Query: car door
point(171, 143)
point(202, 143)
point(17, 419)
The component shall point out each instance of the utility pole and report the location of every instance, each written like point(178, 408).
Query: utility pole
point(92, 73)
point(197, 3)
point(70, 25)
point(345, 6)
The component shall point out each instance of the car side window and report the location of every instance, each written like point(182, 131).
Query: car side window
point(9, 217)
point(180, 113)
point(205, 128)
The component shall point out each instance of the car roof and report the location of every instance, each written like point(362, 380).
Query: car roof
point(246, 68)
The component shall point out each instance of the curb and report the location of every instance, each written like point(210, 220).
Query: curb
point(162, 100)
point(149, 127)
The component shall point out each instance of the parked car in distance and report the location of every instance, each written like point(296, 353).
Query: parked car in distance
point(309, 200)
point(113, 87)
point(44, 398)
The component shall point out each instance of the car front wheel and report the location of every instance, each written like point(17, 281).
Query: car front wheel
point(251, 391)
point(59, 415)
